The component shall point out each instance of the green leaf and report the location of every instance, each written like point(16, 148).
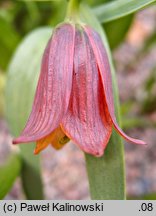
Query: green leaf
point(97, 2)
point(2, 88)
point(119, 28)
point(40, 0)
point(120, 8)
point(8, 174)
point(150, 196)
point(8, 41)
point(106, 174)
point(22, 79)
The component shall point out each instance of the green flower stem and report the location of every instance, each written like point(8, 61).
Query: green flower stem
point(106, 174)
point(73, 10)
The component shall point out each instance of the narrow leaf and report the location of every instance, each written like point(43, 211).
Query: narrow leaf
point(117, 9)
point(8, 174)
point(22, 79)
point(40, 0)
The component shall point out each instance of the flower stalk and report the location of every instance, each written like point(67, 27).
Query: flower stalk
point(73, 10)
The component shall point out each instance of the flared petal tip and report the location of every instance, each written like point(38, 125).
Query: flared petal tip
point(137, 141)
point(25, 139)
point(15, 141)
point(126, 137)
point(19, 140)
point(141, 142)
point(36, 151)
point(97, 154)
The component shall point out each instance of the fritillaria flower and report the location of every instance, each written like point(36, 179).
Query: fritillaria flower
point(74, 97)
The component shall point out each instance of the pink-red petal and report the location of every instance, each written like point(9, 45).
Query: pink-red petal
point(87, 121)
point(104, 68)
point(54, 87)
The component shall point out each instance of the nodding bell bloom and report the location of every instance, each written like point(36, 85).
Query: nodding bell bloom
point(74, 97)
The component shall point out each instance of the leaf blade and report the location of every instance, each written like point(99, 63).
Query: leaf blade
point(19, 98)
point(119, 8)
point(8, 173)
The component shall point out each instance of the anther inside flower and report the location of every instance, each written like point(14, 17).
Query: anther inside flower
point(74, 97)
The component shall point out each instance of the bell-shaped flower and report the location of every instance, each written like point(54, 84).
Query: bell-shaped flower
point(74, 96)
